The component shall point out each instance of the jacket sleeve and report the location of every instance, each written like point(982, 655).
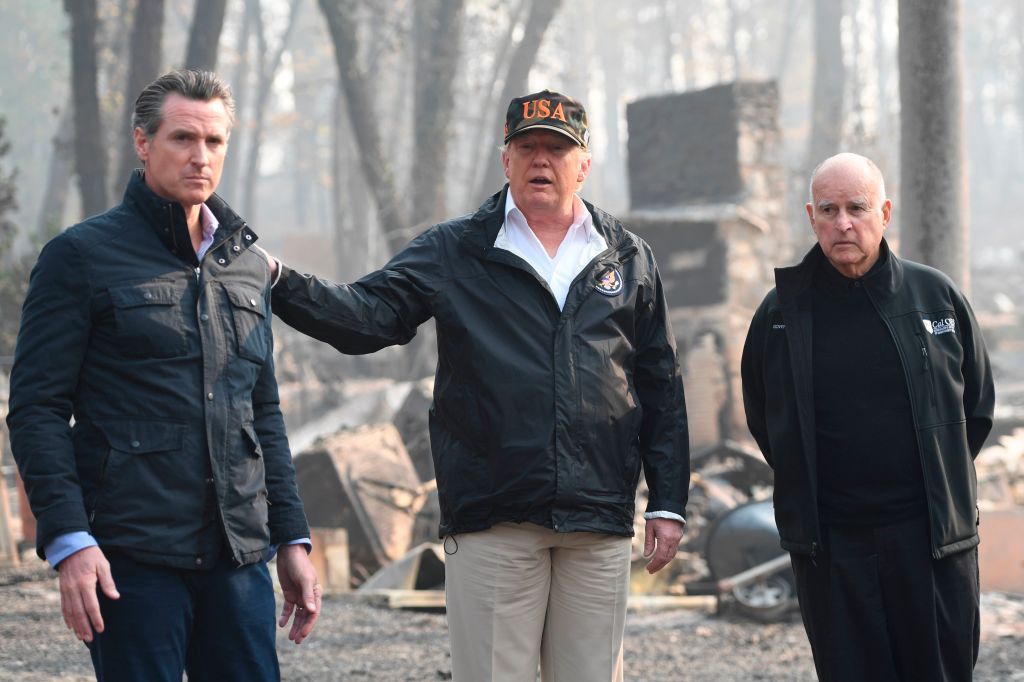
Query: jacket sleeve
point(286, 516)
point(382, 309)
point(979, 393)
point(664, 434)
point(56, 324)
point(752, 376)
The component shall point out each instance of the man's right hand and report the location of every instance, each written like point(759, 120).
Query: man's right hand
point(79, 602)
point(272, 262)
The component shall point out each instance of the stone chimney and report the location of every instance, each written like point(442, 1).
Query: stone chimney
point(707, 192)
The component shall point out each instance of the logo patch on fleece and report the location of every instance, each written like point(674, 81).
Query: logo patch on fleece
point(946, 325)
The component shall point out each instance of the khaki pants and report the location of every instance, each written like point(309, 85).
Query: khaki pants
point(519, 595)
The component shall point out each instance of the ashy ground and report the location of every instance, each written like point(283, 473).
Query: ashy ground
point(357, 641)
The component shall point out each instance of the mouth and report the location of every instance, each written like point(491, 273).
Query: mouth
point(541, 182)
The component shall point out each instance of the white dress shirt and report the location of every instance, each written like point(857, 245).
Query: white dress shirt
point(581, 244)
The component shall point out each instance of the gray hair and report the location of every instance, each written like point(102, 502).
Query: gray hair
point(203, 86)
point(868, 162)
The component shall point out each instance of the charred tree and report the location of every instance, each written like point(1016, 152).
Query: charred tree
point(342, 25)
point(90, 151)
point(932, 178)
point(484, 130)
point(240, 91)
point(146, 54)
point(829, 83)
point(542, 12)
point(438, 26)
point(204, 36)
point(59, 174)
point(267, 73)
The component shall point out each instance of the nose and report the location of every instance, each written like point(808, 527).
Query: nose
point(540, 158)
point(843, 222)
point(200, 154)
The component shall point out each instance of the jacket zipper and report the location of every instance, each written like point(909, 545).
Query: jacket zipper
point(913, 408)
point(102, 484)
point(927, 368)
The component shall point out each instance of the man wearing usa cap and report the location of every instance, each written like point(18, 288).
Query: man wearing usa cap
point(557, 381)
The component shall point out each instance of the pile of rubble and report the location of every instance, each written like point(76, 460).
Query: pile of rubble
point(1000, 470)
point(371, 498)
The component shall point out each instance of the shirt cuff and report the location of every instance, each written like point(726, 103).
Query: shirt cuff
point(63, 546)
point(664, 515)
point(272, 550)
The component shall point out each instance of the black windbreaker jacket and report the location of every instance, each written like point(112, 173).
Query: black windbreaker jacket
point(539, 415)
point(948, 379)
point(178, 443)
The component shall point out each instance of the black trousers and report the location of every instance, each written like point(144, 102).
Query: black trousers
point(877, 607)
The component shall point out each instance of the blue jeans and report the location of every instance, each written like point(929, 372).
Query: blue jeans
point(215, 624)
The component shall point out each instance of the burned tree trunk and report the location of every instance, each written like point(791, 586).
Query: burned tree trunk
point(267, 72)
point(90, 151)
point(829, 82)
point(341, 23)
point(143, 67)
point(542, 12)
point(204, 36)
point(240, 91)
point(933, 212)
point(58, 176)
point(438, 27)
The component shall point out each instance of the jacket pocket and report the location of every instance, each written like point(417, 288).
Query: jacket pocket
point(249, 316)
point(144, 477)
point(248, 481)
point(148, 320)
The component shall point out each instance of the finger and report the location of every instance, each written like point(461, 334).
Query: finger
point(286, 612)
point(302, 626)
point(79, 617)
point(312, 599)
point(92, 609)
point(649, 542)
point(306, 617)
point(107, 581)
point(666, 552)
point(65, 607)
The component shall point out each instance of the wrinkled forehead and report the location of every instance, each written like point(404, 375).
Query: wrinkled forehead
point(180, 111)
point(847, 184)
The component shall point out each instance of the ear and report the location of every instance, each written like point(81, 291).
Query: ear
point(886, 213)
point(504, 162)
point(584, 169)
point(141, 144)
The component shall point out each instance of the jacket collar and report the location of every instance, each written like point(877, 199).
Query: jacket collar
point(167, 218)
point(883, 280)
point(484, 225)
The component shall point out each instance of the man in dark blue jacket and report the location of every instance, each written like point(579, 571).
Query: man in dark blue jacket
point(867, 386)
point(557, 378)
point(149, 327)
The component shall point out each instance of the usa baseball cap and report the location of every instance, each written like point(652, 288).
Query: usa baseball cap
point(547, 110)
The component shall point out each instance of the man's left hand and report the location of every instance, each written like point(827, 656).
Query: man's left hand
point(301, 591)
point(661, 539)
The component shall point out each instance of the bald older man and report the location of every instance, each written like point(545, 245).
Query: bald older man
point(867, 386)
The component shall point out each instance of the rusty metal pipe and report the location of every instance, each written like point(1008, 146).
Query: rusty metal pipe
point(752, 574)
